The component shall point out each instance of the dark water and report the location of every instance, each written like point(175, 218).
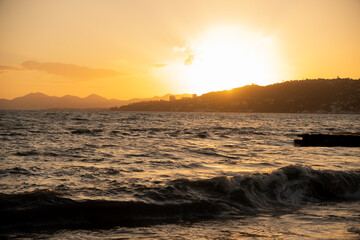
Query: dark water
point(95, 175)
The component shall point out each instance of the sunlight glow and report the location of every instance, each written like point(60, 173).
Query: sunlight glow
point(226, 58)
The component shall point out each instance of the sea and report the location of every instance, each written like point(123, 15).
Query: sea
point(158, 175)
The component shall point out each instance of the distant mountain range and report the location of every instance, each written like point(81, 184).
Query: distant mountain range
point(40, 101)
point(312, 95)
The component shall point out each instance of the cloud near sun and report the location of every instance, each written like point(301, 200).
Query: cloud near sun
point(189, 60)
point(159, 65)
point(70, 70)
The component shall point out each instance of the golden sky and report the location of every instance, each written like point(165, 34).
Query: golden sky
point(141, 48)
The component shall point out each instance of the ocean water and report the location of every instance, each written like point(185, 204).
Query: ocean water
point(129, 175)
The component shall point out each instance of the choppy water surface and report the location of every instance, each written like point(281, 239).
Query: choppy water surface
point(176, 176)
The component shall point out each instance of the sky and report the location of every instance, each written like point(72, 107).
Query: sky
point(142, 48)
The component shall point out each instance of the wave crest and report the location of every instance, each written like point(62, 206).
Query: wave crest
point(183, 199)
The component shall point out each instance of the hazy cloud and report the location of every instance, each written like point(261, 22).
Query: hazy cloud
point(159, 65)
point(70, 70)
point(4, 69)
point(189, 60)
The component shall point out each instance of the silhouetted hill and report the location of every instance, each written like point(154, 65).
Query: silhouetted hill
point(40, 101)
point(318, 95)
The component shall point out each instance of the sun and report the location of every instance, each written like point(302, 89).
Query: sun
point(226, 58)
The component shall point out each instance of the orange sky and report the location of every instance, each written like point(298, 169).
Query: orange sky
point(140, 48)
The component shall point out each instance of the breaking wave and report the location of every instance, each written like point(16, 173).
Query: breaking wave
point(183, 199)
